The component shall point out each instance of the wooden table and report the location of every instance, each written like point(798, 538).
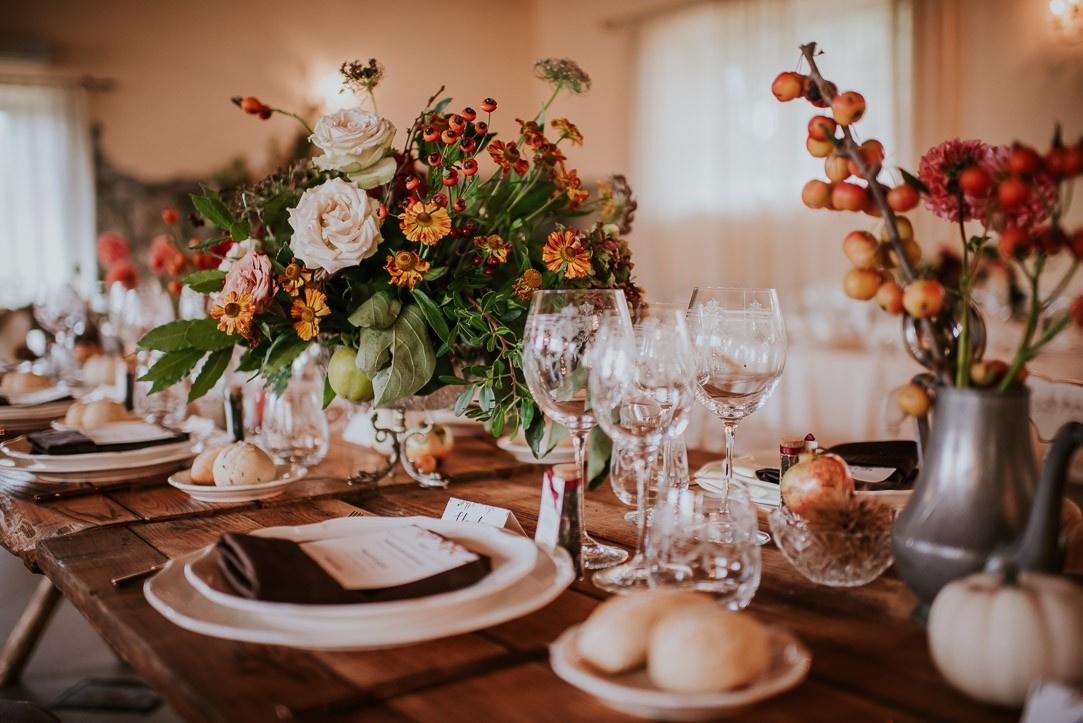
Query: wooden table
point(869, 661)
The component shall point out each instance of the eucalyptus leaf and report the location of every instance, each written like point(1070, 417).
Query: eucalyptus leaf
point(373, 349)
point(167, 337)
point(412, 358)
point(379, 311)
point(212, 371)
point(171, 368)
point(203, 334)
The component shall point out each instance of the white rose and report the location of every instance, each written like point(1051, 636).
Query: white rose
point(237, 252)
point(357, 143)
point(335, 226)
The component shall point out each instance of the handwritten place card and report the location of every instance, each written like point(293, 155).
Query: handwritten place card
point(466, 511)
point(387, 558)
point(547, 533)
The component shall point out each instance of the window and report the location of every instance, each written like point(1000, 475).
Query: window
point(46, 191)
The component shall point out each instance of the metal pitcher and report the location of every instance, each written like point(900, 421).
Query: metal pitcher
point(979, 495)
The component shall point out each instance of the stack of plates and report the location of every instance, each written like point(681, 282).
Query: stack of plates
point(190, 592)
point(17, 454)
point(22, 418)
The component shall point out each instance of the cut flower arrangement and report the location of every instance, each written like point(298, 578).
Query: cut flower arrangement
point(412, 264)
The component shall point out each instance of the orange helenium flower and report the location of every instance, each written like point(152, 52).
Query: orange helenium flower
point(568, 130)
point(564, 251)
point(527, 284)
point(493, 247)
point(294, 277)
point(234, 312)
point(307, 312)
point(506, 155)
point(570, 183)
point(406, 268)
point(425, 223)
point(532, 133)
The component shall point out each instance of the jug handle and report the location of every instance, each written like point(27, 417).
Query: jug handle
point(924, 381)
point(1039, 547)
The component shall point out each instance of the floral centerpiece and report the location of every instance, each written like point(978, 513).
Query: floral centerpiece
point(414, 262)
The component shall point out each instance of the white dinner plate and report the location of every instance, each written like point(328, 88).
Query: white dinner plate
point(285, 475)
point(171, 594)
point(522, 452)
point(512, 556)
point(18, 449)
point(634, 693)
point(10, 415)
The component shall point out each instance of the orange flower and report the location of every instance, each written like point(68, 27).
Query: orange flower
point(507, 157)
point(294, 277)
point(564, 251)
point(568, 130)
point(234, 313)
point(532, 133)
point(570, 183)
point(406, 268)
point(426, 223)
point(493, 247)
point(306, 313)
point(527, 284)
point(548, 155)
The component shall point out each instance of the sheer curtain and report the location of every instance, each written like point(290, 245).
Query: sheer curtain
point(719, 166)
point(46, 191)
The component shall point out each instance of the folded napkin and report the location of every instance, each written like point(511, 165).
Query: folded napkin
point(901, 456)
point(71, 442)
point(277, 570)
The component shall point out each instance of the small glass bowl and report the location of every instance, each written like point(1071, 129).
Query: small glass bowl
point(835, 559)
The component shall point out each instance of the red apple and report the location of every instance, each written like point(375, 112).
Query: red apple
point(848, 196)
point(903, 197)
point(923, 298)
point(822, 127)
point(861, 248)
point(816, 485)
point(890, 297)
point(861, 284)
point(848, 107)
point(816, 194)
point(788, 86)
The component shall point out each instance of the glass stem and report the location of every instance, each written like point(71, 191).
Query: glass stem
point(579, 447)
point(730, 429)
point(643, 466)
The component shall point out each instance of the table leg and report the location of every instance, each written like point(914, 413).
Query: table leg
point(27, 631)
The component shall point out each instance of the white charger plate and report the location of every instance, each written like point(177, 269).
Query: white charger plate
point(37, 413)
point(285, 475)
point(513, 557)
point(634, 693)
point(19, 448)
point(74, 465)
point(522, 452)
point(171, 594)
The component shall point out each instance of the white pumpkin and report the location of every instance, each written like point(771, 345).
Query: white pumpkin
point(992, 639)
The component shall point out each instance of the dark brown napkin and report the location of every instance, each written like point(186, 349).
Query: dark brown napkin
point(276, 570)
point(900, 454)
point(71, 442)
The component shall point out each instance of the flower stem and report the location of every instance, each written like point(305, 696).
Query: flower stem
point(962, 366)
point(296, 117)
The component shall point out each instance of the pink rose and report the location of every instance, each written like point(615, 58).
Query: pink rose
point(252, 275)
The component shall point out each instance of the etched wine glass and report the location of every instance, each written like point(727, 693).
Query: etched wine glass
point(642, 387)
point(739, 341)
point(560, 329)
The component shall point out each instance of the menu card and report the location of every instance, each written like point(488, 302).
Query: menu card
point(387, 558)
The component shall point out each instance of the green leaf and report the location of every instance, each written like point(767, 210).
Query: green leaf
point(432, 313)
point(601, 448)
point(328, 392)
point(464, 400)
point(239, 231)
point(282, 353)
point(412, 359)
point(373, 349)
point(380, 311)
point(203, 334)
point(914, 182)
point(434, 274)
point(211, 207)
point(212, 371)
point(205, 282)
point(250, 360)
point(535, 433)
point(171, 368)
point(167, 337)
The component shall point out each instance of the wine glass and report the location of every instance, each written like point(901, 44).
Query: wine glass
point(61, 311)
point(739, 342)
point(642, 386)
point(559, 331)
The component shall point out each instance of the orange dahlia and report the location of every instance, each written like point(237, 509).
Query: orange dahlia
point(506, 155)
point(564, 251)
point(307, 311)
point(234, 312)
point(425, 223)
point(406, 268)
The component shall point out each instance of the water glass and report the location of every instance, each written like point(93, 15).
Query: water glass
point(670, 469)
point(294, 428)
point(706, 542)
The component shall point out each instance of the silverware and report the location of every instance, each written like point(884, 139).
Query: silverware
point(122, 580)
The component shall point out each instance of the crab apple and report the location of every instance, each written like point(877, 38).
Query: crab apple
point(910, 248)
point(819, 149)
point(848, 107)
point(872, 155)
point(816, 194)
point(975, 181)
point(812, 93)
point(913, 399)
point(903, 197)
point(987, 372)
point(836, 167)
point(822, 127)
point(923, 297)
point(1014, 243)
point(1011, 192)
point(872, 208)
point(861, 284)
point(903, 226)
point(1056, 162)
point(860, 248)
point(848, 196)
point(788, 86)
point(1024, 160)
point(890, 297)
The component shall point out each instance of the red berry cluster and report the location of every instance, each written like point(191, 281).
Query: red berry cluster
point(253, 106)
point(1027, 172)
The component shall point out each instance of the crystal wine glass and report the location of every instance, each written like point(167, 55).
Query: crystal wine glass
point(560, 328)
point(62, 312)
point(642, 386)
point(739, 342)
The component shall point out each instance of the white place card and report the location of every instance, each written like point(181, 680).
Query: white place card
point(547, 533)
point(387, 558)
point(467, 511)
point(871, 475)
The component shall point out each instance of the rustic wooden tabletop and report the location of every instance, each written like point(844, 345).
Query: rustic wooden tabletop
point(870, 662)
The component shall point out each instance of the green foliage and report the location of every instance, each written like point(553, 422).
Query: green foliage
point(379, 311)
point(212, 371)
point(206, 282)
point(171, 368)
point(412, 359)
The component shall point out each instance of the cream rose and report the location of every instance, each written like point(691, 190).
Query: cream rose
point(335, 226)
point(358, 143)
point(237, 252)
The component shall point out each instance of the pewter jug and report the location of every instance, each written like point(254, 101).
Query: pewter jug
point(978, 494)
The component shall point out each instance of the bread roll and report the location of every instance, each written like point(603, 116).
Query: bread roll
point(203, 466)
point(700, 650)
point(615, 637)
point(242, 463)
point(23, 382)
point(74, 415)
point(100, 371)
point(102, 411)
